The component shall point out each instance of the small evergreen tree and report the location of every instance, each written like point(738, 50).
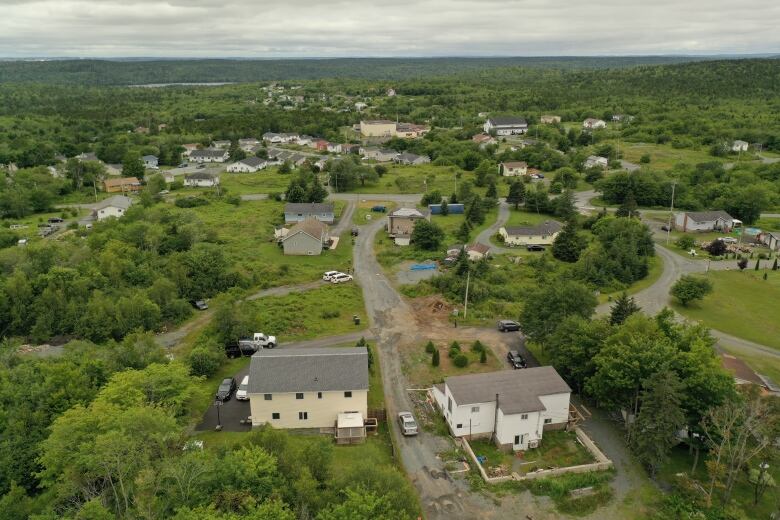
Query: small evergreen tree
point(464, 232)
point(742, 263)
point(492, 190)
point(568, 245)
point(445, 210)
point(758, 261)
point(483, 357)
point(622, 309)
point(516, 193)
point(435, 358)
point(774, 266)
point(429, 348)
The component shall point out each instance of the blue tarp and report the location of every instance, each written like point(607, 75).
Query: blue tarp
point(422, 267)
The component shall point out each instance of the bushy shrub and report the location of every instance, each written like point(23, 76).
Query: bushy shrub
point(429, 348)
point(330, 314)
point(190, 202)
point(461, 361)
point(478, 346)
point(205, 361)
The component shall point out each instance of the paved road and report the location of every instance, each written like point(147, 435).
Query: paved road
point(501, 218)
point(632, 167)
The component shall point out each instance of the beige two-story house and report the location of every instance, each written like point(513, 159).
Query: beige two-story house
point(400, 224)
point(307, 387)
point(541, 235)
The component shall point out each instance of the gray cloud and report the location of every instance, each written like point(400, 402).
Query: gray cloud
point(285, 28)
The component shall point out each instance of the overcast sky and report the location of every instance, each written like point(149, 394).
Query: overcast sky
point(319, 28)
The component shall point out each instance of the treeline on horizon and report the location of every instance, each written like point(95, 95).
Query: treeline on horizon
point(135, 72)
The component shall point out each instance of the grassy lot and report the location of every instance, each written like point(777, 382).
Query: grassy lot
point(363, 209)
point(663, 156)
point(681, 462)
point(414, 179)
point(376, 390)
point(558, 449)
point(526, 218)
point(417, 364)
point(741, 304)
point(246, 235)
point(264, 181)
point(325, 311)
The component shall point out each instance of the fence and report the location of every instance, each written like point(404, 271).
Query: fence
point(380, 414)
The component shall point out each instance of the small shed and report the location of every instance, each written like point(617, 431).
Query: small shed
point(350, 428)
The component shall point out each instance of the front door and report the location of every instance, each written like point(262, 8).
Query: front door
point(519, 440)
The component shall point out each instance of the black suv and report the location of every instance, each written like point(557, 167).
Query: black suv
point(515, 359)
point(508, 326)
point(226, 389)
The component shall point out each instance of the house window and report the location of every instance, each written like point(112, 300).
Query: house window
point(299, 396)
point(458, 426)
point(319, 395)
point(267, 397)
point(547, 421)
point(523, 416)
point(275, 415)
point(347, 394)
point(302, 416)
point(519, 439)
point(475, 409)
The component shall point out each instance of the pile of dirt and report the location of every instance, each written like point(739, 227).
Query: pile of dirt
point(433, 307)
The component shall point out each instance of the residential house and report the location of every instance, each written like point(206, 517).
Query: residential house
point(594, 161)
point(744, 375)
point(360, 106)
point(321, 145)
point(249, 165)
point(306, 238)
point(189, 148)
point(248, 144)
point(739, 146)
point(506, 125)
point(593, 124)
point(300, 211)
point(297, 159)
point(513, 168)
point(390, 92)
point(222, 145)
point(289, 137)
point(483, 139)
point(113, 170)
point(477, 251)
point(378, 154)
point(411, 159)
point(622, 117)
point(142, 130)
point(168, 176)
point(377, 128)
point(307, 388)
point(717, 220)
point(201, 180)
point(770, 239)
point(541, 235)
point(401, 222)
point(270, 137)
point(87, 157)
point(207, 155)
point(121, 185)
point(334, 147)
point(150, 161)
point(550, 120)
point(350, 148)
point(512, 407)
point(115, 207)
point(304, 140)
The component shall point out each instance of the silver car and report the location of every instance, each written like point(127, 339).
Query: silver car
point(407, 423)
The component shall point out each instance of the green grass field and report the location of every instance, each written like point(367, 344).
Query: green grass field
point(310, 314)
point(741, 304)
point(264, 181)
point(417, 364)
point(663, 156)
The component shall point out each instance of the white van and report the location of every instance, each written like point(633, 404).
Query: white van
point(243, 389)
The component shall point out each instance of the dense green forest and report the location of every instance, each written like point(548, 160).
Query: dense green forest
point(134, 72)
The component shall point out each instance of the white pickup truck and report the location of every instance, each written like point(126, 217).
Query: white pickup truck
point(257, 341)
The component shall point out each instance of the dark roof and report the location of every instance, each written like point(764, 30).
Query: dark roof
point(518, 390)
point(304, 207)
point(200, 176)
point(707, 216)
point(548, 227)
point(208, 152)
point(308, 370)
point(507, 121)
point(252, 161)
point(408, 156)
point(117, 201)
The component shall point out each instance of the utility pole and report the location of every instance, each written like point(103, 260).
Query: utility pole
point(466, 302)
point(671, 215)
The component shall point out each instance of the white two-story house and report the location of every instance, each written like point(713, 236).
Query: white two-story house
point(505, 125)
point(512, 407)
point(307, 387)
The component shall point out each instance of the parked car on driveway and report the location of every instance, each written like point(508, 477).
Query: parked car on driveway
point(329, 274)
point(201, 305)
point(226, 388)
point(379, 209)
point(508, 326)
point(341, 277)
point(728, 240)
point(241, 393)
point(407, 423)
point(55, 220)
point(515, 359)
point(534, 247)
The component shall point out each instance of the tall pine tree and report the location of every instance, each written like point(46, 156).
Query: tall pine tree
point(622, 309)
point(568, 244)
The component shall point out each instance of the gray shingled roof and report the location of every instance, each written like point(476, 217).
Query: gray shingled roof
point(708, 216)
point(308, 370)
point(117, 201)
point(201, 176)
point(518, 390)
point(252, 161)
point(208, 152)
point(507, 121)
point(548, 227)
point(304, 207)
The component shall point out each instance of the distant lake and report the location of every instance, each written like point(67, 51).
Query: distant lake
point(158, 85)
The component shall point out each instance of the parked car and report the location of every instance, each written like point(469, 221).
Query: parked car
point(515, 359)
point(56, 220)
point(508, 326)
point(379, 209)
point(329, 274)
point(200, 166)
point(257, 341)
point(243, 389)
point(341, 278)
point(183, 165)
point(665, 227)
point(355, 232)
point(728, 240)
point(534, 247)
point(201, 305)
point(226, 388)
point(407, 423)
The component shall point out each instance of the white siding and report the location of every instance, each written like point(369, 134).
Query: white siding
point(110, 211)
point(322, 413)
point(512, 425)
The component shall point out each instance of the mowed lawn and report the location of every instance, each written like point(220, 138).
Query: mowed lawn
point(742, 304)
point(264, 181)
point(664, 156)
